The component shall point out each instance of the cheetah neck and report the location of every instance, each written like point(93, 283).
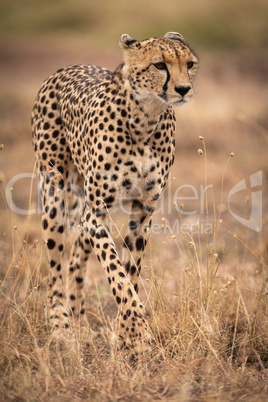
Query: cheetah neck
point(145, 111)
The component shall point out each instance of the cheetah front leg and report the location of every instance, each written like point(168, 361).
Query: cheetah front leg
point(136, 240)
point(132, 331)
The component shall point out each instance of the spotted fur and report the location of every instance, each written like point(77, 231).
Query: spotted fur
point(115, 132)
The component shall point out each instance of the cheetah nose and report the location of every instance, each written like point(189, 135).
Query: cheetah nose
point(182, 90)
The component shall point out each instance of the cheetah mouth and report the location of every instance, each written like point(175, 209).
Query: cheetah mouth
point(180, 102)
point(173, 101)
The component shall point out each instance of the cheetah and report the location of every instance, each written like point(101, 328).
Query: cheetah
point(114, 131)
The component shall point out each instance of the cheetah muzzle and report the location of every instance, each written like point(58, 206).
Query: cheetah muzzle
point(115, 132)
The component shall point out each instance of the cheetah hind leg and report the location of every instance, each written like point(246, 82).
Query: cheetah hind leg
point(51, 188)
point(57, 313)
point(76, 277)
point(80, 250)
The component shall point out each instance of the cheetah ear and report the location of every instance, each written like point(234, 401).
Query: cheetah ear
point(127, 41)
point(175, 36)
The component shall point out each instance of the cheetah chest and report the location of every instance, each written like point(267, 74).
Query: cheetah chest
point(140, 178)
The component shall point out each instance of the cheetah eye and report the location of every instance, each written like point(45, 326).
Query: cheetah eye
point(190, 65)
point(160, 66)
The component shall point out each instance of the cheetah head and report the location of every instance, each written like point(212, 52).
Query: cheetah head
point(160, 68)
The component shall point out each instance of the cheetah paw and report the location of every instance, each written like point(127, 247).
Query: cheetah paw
point(59, 318)
point(132, 334)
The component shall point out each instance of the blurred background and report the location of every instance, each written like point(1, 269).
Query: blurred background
point(229, 109)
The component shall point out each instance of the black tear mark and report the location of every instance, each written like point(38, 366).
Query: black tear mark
point(167, 80)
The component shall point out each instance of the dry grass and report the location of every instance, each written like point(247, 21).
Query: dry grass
point(209, 328)
point(205, 294)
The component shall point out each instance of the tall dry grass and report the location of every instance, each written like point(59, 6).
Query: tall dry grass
point(206, 306)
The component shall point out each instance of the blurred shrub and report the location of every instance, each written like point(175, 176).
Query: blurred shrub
point(209, 24)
